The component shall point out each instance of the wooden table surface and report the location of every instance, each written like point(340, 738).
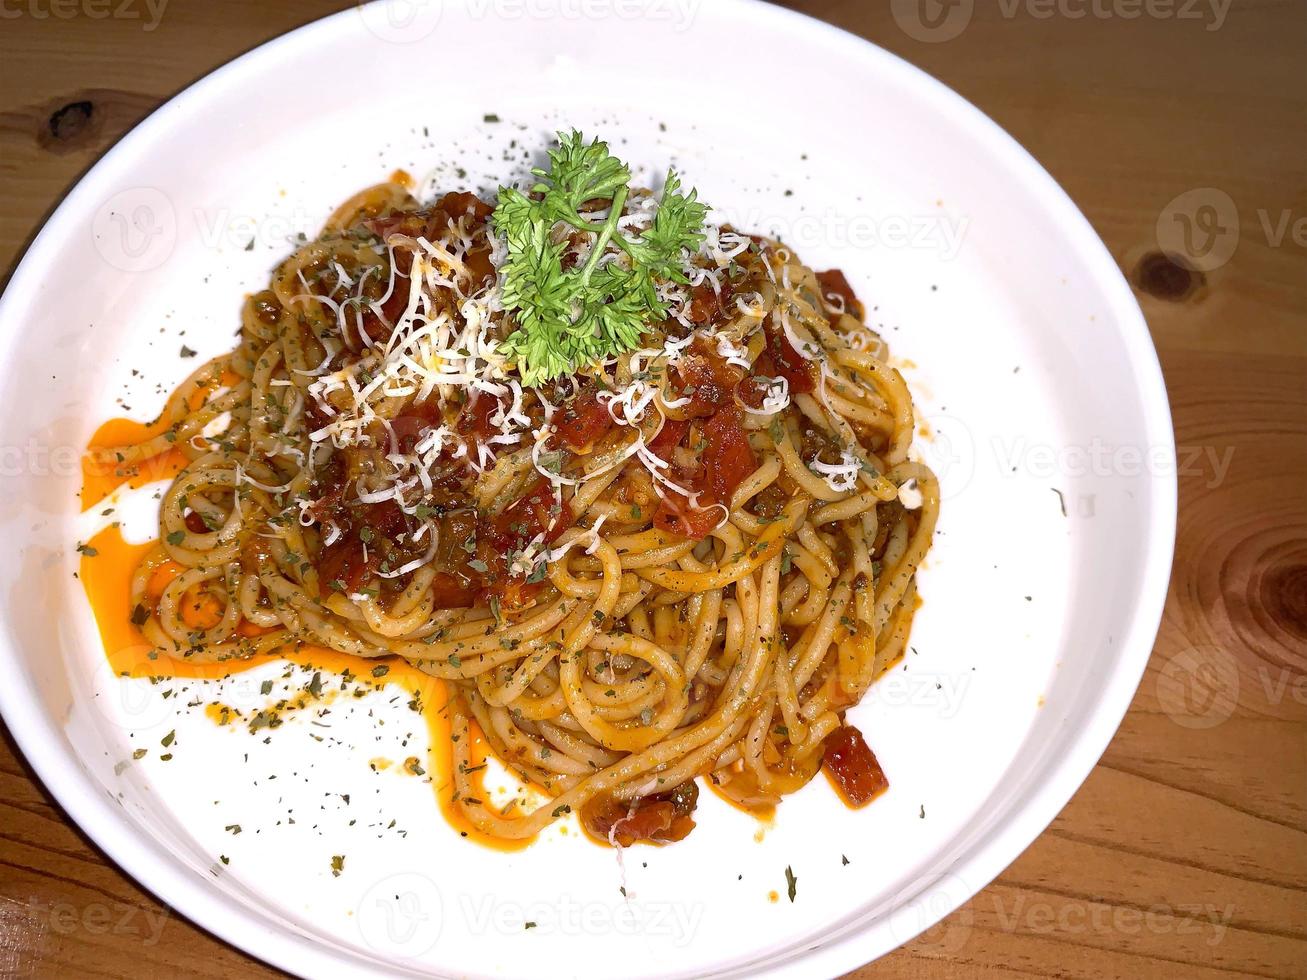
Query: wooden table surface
point(1185, 853)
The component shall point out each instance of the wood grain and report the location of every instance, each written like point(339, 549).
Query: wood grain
point(1185, 853)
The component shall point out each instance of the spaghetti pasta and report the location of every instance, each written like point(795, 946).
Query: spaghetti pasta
point(683, 560)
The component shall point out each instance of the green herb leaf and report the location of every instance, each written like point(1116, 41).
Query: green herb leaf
point(568, 318)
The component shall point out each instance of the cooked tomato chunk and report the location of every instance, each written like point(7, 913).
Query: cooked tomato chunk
point(367, 533)
point(725, 459)
point(474, 419)
point(852, 767)
point(707, 304)
point(834, 283)
point(728, 458)
point(583, 421)
point(785, 362)
point(668, 438)
point(537, 512)
point(661, 819)
point(676, 516)
point(706, 379)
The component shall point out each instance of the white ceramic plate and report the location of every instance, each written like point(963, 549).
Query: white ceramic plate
point(1033, 374)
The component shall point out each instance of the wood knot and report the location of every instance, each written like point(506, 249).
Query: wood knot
point(80, 120)
point(1157, 274)
point(1283, 595)
point(71, 122)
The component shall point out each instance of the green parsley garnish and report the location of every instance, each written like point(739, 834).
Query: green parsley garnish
point(568, 318)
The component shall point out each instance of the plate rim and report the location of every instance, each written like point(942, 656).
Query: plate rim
point(181, 889)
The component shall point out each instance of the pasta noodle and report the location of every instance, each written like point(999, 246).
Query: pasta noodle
point(686, 560)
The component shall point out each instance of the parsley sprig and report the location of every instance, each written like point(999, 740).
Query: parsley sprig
point(568, 318)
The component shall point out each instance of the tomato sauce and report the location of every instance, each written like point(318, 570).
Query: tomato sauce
point(103, 474)
point(107, 575)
